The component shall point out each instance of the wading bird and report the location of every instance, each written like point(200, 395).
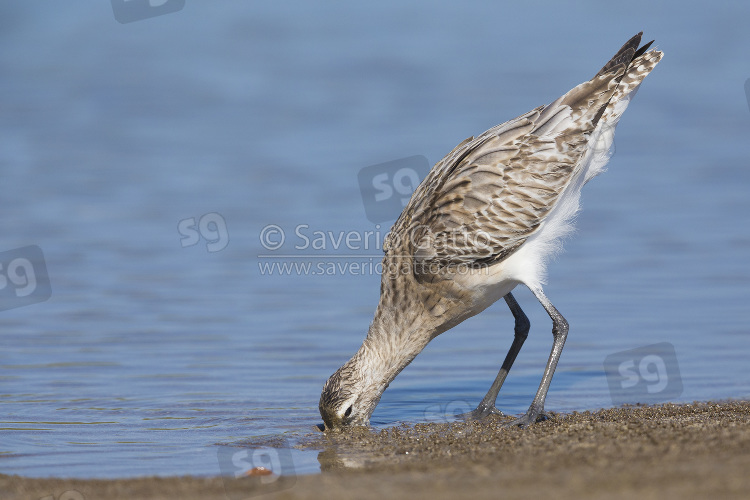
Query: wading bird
point(487, 218)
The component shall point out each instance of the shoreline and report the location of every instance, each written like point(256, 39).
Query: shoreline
point(695, 450)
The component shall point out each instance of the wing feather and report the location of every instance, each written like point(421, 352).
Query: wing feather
point(490, 193)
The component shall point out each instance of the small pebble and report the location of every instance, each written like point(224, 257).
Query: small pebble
point(259, 471)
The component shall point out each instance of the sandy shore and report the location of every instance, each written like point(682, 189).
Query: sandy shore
point(700, 450)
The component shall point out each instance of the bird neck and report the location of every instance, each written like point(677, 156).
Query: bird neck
point(389, 348)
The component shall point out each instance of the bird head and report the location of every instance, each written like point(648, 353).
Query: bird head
point(349, 397)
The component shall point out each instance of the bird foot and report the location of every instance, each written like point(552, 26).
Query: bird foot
point(481, 412)
point(528, 418)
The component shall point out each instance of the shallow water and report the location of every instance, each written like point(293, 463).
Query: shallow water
point(148, 355)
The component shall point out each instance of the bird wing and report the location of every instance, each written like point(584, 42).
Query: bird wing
point(487, 196)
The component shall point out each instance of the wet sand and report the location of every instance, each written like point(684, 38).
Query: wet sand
point(699, 450)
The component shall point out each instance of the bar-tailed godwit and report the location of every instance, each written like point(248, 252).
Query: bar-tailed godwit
point(487, 218)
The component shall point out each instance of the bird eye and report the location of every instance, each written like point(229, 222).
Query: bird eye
point(348, 412)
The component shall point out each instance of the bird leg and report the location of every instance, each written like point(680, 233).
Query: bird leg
point(487, 405)
point(559, 334)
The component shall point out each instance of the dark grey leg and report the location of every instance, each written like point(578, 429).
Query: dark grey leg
point(559, 334)
point(487, 406)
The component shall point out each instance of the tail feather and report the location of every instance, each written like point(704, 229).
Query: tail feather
point(642, 50)
point(637, 69)
point(593, 101)
point(624, 56)
point(638, 63)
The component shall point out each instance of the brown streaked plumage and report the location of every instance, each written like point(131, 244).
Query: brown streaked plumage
point(486, 218)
